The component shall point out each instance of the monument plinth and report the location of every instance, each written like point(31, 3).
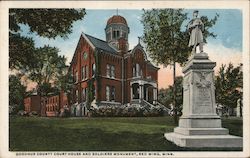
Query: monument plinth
point(199, 125)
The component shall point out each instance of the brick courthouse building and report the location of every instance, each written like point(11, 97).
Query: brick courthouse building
point(115, 74)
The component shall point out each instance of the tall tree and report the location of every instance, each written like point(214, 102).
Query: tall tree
point(48, 23)
point(16, 92)
point(65, 83)
point(165, 96)
point(166, 39)
point(229, 84)
point(47, 69)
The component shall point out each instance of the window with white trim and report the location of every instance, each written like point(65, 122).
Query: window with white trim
point(112, 71)
point(108, 70)
point(93, 69)
point(107, 93)
point(137, 69)
point(83, 72)
point(87, 72)
point(84, 94)
point(112, 93)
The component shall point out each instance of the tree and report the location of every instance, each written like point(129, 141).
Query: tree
point(65, 83)
point(21, 50)
point(47, 69)
point(165, 96)
point(16, 92)
point(166, 42)
point(229, 84)
point(48, 23)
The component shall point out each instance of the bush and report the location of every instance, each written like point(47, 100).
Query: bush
point(126, 111)
point(64, 112)
point(33, 113)
point(22, 113)
point(13, 110)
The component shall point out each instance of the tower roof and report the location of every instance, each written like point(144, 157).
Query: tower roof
point(117, 19)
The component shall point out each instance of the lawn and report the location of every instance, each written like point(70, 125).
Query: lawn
point(99, 134)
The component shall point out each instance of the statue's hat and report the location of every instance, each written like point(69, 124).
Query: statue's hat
point(196, 11)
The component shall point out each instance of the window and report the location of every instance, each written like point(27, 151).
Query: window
point(107, 93)
point(113, 71)
point(87, 72)
point(93, 69)
point(76, 95)
point(76, 76)
point(84, 94)
point(134, 71)
point(83, 72)
point(108, 70)
point(137, 70)
point(116, 34)
point(112, 93)
point(109, 36)
point(124, 35)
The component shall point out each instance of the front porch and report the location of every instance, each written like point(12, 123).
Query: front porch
point(143, 90)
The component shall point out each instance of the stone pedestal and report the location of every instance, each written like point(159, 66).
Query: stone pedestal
point(199, 125)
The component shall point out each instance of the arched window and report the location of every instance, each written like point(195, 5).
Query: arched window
point(137, 70)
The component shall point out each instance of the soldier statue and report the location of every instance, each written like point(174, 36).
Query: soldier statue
point(195, 28)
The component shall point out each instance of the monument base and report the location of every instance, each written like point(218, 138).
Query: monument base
point(199, 125)
point(201, 141)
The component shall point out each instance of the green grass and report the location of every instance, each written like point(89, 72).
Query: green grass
point(99, 134)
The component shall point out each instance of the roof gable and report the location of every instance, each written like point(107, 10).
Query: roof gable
point(100, 44)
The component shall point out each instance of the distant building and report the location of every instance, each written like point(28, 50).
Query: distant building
point(53, 103)
point(32, 103)
point(46, 105)
point(119, 75)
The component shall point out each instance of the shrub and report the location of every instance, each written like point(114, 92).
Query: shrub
point(126, 111)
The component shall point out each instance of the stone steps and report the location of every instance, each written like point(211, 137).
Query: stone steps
point(201, 131)
point(201, 141)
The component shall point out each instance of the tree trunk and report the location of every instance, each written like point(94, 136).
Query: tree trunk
point(174, 96)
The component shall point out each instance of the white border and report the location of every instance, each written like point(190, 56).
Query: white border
point(5, 5)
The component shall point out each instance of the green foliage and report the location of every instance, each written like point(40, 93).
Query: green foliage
point(49, 67)
point(90, 92)
point(97, 71)
point(21, 50)
point(16, 92)
point(45, 22)
point(165, 40)
point(229, 84)
point(163, 36)
point(65, 83)
point(49, 23)
point(165, 96)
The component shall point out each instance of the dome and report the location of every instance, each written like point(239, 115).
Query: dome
point(117, 19)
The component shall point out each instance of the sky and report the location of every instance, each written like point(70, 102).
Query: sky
point(225, 48)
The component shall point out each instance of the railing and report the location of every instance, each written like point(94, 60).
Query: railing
point(146, 102)
point(163, 106)
point(135, 101)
